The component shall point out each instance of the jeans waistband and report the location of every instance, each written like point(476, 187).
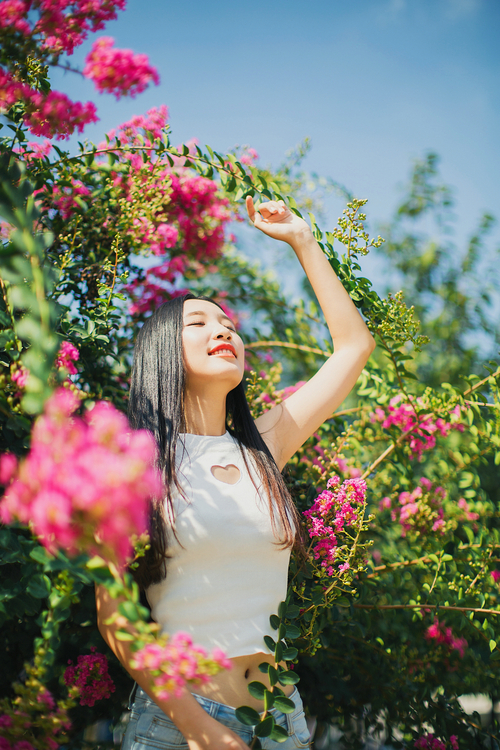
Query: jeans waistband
point(212, 707)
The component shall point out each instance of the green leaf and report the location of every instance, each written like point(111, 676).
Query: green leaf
point(279, 734)
point(283, 704)
point(40, 555)
point(292, 612)
point(256, 690)
point(129, 610)
point(292, 631)
point(39, 586)
point(288, 678)
point(493, 645)
point(275, 622)
point(270, 643)
point(289, 654)
point(247, 716)
point(123, 635)
point(469, 533)
point(268, 700)
point(342, 601)
point(264, 728)
point(278, 653)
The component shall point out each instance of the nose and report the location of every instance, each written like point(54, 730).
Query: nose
point(224, 334)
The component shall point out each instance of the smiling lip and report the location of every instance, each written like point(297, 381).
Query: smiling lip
point(226, 347)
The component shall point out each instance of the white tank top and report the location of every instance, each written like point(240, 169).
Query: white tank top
point(230, 574)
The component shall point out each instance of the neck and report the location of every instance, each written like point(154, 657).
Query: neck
point(204, 414)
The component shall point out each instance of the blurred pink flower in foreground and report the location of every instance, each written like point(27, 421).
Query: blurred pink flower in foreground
point(68, 353)
point(86, 481)
point(118, 71)
point(173, 663)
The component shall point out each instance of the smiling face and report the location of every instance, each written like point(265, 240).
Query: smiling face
point(213, 351)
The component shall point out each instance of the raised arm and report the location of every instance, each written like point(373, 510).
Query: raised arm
point(287, 426)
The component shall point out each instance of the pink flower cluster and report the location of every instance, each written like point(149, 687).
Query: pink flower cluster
point(423, 428)
point(335, 508)
point(431, 742)
point(13, 15)
point(68, 354)
point(495, 574)
point(86, 482)
point(152, 122)
point(469, 515)
point(21, 745)
point(419, 511)
point(37, 716)
point(46, 115)
point(249, 156)
point(63, 198)
point(62, 25)
point(20, 376)
point(178, 661)
point(118, 71)
point(31, 150)
point(89, 678)
point(443, 635)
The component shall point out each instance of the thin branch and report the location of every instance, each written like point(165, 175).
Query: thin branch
point(480, 403)
point(481, 382)
point(287, 345)
point(428, 606)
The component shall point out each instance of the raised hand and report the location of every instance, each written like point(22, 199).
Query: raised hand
point(277, 221)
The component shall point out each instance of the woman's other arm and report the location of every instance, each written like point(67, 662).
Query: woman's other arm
point(287, 426)
point(201, 731)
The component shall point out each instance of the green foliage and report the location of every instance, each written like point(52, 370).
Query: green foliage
point(361, 644)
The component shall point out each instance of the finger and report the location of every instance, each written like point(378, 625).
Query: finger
point(250, 208)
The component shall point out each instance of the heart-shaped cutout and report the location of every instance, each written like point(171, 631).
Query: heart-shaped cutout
point(228, 474)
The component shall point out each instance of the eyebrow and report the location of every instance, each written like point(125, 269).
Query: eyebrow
point(222, 314)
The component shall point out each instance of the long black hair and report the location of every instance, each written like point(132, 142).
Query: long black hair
point(156, 404)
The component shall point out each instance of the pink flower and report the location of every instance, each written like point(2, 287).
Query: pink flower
point(118, 71)
point(47, 699)
point(178, 661)
point(13, 14)
point(90, 677)
point(68, 353)
point(454, 741)
point(444, 636)
point(336, 507)
point(8, 466)
point(86, 483)
point(5, 721)
point(495, 574)
point(54, 114)
point(422, 428)
point(23, 745)
point(429, 742)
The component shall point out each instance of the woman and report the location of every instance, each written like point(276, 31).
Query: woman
point(232, 519)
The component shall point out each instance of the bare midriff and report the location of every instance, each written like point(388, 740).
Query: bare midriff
point(230, 685)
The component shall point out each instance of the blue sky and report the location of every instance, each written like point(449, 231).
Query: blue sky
point(373, 83)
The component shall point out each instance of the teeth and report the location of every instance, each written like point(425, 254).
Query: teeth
point(225, 351)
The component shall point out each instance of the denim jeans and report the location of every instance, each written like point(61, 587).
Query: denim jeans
point(150, 729)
